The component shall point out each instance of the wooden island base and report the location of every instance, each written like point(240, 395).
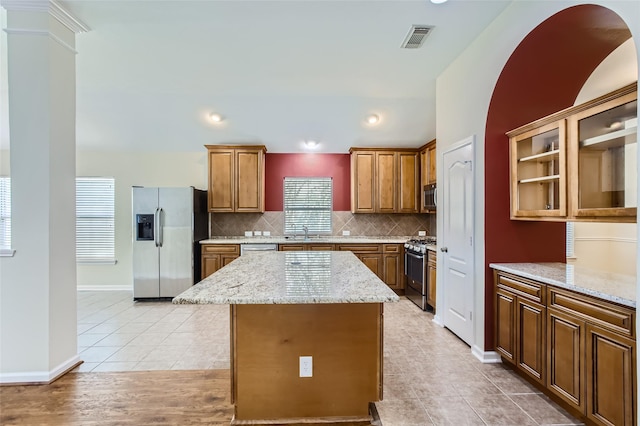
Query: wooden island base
point(267, 341)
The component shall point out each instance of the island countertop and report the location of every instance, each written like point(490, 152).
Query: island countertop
point(609, 286)
point(296, 277)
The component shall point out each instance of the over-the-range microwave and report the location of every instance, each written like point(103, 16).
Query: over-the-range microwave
point(430, 197)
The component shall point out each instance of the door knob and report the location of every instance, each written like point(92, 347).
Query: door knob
point(444, 249)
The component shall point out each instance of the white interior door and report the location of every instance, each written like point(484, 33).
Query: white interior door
point(457, 240)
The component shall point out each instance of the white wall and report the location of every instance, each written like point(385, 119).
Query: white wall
point(129, 169)
point(463, 93)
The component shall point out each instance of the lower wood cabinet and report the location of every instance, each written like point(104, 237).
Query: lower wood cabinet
point(431, 279)
point(385, 260)
point(520, 321)
point(215, 256)
point(581, 349)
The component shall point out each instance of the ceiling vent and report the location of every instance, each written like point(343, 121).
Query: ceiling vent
point(416, 36)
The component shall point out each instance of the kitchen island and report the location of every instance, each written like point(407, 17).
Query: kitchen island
point(323, 306)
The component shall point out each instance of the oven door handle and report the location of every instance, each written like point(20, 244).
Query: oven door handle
point(417, 256)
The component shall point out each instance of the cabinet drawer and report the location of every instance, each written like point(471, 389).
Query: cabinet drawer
point(290, 247)
point(221, 248)
point(608, 315)
point(432, 257)
point(320, 247)
point(530, 289)
point(360, 248)
point(392, 248)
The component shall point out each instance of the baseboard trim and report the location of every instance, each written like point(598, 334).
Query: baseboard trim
point(488, 357)
point(40, 377)
point(104, 288)
point(438, 320)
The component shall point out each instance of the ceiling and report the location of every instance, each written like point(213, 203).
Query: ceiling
point(279, 72)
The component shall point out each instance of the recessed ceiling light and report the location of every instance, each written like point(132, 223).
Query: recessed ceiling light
point(438, 1)
point(215, 117)
point(311, 144)
point(373, 119)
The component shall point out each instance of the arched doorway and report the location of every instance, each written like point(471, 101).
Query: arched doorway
point(543, 75)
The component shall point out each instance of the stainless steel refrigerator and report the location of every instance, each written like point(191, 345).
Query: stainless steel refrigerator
point(168, 224)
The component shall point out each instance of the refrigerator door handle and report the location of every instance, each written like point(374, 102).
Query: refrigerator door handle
point(160, 227)
point(156, 222)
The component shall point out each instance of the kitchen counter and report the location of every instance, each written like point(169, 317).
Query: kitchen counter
point(617, 288)
point(330, 239)
point(291, 278)
point(306, 335)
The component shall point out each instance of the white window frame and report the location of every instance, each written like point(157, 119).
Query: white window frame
point(95, 220)
point(311, 207)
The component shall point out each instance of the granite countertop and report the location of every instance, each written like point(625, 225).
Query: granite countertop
point(617, 288)
point(329, 239)
point(290, 278)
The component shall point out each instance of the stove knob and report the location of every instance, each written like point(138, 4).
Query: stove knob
point(407, 245)
point(423, 249)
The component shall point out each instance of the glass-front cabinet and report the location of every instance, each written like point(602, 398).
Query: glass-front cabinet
point(604, 155)
point(538, 175)
point(579, 163)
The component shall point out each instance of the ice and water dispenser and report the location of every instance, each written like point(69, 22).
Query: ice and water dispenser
point(144, 227)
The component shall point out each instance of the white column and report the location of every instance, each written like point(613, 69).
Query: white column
point(38, 284)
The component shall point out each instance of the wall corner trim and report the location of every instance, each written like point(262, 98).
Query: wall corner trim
point(488, 357)
point(40, 377)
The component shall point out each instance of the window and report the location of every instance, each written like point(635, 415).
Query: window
point(308, 202)
point(5, 213)
point(95, 230)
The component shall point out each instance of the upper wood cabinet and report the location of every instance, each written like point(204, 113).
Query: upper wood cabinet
point(384, 181)
point(427, 170)
point(236, 178)
point(578, 164)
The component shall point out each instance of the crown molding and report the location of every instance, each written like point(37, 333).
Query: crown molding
point(50, 6)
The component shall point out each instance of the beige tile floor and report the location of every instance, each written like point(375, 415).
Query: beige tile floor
point(430, 376)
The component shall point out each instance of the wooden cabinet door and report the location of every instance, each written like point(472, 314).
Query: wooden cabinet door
point(373, 262)
point(249, 181)
point(221, 181)
point(393, 272)
point(408, 182)
point(362, 182)
point(210, 264)
point(565, 357)
point(431, 159)
point(531, 338)
point(385, 172)
point(506, 325)
point(226, 259)
point(611, 387)
point(431, 277)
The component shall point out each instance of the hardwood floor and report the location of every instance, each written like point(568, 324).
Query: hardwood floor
point(188, 397)
point(128, 398)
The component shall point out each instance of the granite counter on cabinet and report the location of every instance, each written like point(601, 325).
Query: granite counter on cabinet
point(289, 278)
point(617, 288)
point(325, 307)
point(313, 239)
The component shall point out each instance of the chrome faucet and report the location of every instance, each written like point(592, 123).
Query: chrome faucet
point(305, 228)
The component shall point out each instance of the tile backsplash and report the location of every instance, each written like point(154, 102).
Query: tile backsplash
point(235, 224)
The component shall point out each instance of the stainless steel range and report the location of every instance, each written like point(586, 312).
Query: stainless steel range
point(415, 268)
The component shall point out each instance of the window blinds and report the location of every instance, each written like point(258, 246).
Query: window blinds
point(308, 202)
point(95, 230)
point(5, 213)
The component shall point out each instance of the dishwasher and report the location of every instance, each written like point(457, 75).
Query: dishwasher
point(249, 248)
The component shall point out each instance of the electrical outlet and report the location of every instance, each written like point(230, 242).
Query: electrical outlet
point(257, 233)
point(422, 233)
point(266, 233)
point(346, 233)
point(306, 366)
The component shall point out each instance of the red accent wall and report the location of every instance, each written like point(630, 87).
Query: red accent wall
point(337, 166)
point(543, 75)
